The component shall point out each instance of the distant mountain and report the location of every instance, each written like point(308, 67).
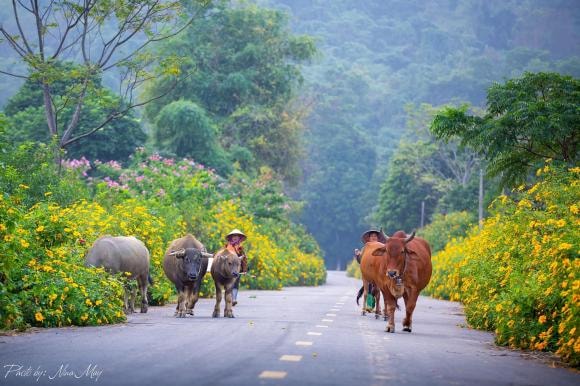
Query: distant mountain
point(377, 56)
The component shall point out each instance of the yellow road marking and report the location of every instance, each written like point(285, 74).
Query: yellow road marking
point(273, 374)
point(291, 358)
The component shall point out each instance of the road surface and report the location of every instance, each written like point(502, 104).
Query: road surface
point(297, 336)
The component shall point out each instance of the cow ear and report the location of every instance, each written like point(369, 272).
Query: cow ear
point(379, 252)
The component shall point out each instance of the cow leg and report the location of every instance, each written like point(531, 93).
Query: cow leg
point(391, 304)
point(377, 296)
point(218, 300)
point(229, 312)
point(385, 315)
point(142, 280)
point(410, 303)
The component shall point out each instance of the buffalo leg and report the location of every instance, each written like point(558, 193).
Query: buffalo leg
point(180, 311)
point(229, 312)
point(132, 300)
point(218, 300)
point(143, 287)
point(410, 303)
point(187, 300)
point(194, 297)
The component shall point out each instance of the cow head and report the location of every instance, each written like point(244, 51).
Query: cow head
point(191, 259)
point(395, 251)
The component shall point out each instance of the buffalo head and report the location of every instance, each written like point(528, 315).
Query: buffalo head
point(190, 261)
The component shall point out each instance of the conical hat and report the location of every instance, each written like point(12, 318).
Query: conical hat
point(236, 232)
point(382, 238)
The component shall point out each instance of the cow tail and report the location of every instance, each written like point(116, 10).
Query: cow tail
point(360, 293)
point(149, 279)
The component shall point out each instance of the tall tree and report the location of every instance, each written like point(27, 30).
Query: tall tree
point(245, 66)
point(101, 36)
point(528, 119)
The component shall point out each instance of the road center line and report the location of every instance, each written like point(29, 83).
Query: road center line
point(327, 320)
point(314, 333)
point(273, 374)
point(330, 314)
point(291, 358)
point(321, 326)
point(303, 343)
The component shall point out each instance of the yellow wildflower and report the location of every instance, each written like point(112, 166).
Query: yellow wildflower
point(24, 243)
point(40, 228)
point(88, 302)
point(39, 317)
point(498, 307)
point(564, 246)
point(542, 319)
point(98, 302)
point(84, 317)
point(22, 186)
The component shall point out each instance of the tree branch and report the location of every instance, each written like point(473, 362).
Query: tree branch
point(117, 114)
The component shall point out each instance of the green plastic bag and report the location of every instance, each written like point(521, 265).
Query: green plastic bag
point(370, 301)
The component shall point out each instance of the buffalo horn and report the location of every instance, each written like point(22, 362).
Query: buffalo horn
point(178, 253)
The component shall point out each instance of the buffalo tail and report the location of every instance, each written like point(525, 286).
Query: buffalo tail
point(149, 279)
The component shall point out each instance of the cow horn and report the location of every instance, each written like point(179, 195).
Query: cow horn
point(208, 255)
point(409, 238)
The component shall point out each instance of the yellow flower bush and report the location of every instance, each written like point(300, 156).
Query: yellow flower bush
point(520, 274)
point(43, 280)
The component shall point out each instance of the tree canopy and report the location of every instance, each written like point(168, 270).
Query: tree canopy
point(528, 119)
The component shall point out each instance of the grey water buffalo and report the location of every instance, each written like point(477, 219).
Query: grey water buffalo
point(401, 268)
point(123, 254)
point(185, 264)
point(225, 269)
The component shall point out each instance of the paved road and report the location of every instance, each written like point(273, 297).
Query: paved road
point(298, 336)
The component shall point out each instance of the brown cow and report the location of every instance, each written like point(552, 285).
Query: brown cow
point(185, 263)
point(401, 268)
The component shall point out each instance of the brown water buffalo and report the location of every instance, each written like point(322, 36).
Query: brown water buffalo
point(224, 270)
point(185, 264)
point(123, 254)
point(401, 268)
